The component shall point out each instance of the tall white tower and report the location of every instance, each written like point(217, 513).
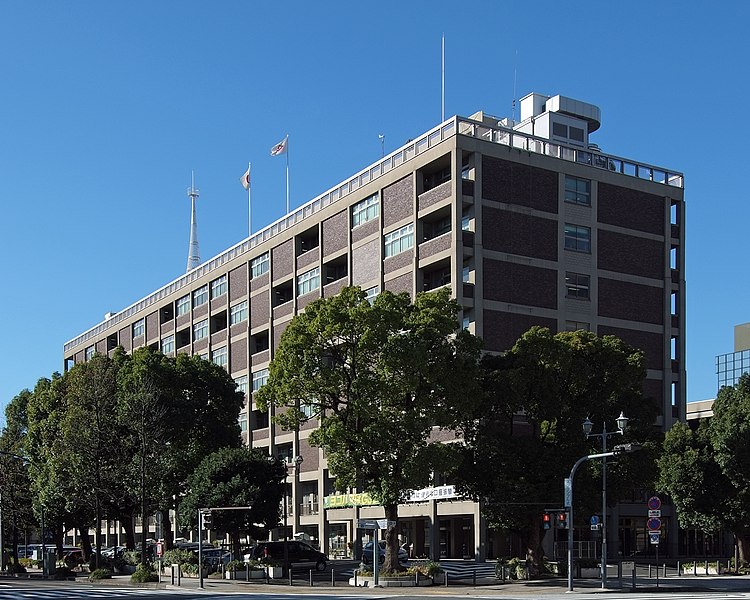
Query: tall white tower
point(194, 253)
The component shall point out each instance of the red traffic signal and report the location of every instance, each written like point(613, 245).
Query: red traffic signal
point(562, 520)
point(547, 520)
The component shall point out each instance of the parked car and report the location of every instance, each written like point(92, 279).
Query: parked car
point(367, 553)
point(301, 554)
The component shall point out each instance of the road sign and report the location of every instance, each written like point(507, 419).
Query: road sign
point(653, 524)
point(654, 503)
point(385, 524)
point(596, 526)
point(654, 536)
point(159, 549)
point(654, 513)
point(367, 524)
point(594, 520)
point(568, 492)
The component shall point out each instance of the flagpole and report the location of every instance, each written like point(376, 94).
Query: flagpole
point(249, 204)
point(442, 82)
point(287, 173)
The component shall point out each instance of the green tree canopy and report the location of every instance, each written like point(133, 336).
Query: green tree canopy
point(707, 472)
point(524, 434)
point(236, 477)
point(381, 378)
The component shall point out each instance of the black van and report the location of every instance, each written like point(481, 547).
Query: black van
point(301, 554)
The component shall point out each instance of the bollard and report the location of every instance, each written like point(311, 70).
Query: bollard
point(474, 578)
point(446, 579)
point(679, 570)
point(634, 576)
point(333, 578)
point(355, 576)
point(416, 578)
point(706, 567)
point(311, 578)
point(649, 571)
point(290, 576)
point(247, 571)
point(665, 570)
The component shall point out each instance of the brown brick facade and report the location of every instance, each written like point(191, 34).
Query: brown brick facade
point(520, 284)
point(516, 183)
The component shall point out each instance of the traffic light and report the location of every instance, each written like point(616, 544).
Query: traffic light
point(547, 520)
point(562, 520)
point(206, 520)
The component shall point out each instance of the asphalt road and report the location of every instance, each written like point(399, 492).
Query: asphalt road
point(724, 588)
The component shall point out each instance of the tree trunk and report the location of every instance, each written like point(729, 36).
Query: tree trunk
point(234, 540)
point(167, 531)
point(391, 562)
point(83, 532)
point(742, 549)
point(127, 525)
point(533, 544)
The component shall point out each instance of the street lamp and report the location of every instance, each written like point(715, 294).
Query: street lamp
point(622, 423)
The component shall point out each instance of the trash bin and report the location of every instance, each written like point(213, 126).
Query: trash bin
point(50, 563)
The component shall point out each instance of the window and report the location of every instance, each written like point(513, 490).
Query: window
point(219, 287)
point(366, 210)
point(238, 313)
point(577, 285)
point(200, 330)
point(259, 379)
point(466, 223)
point(577, 237)
point(183, 305)
point(242, 422)
point(89, 352)
point(167, 344)
point(241, 383)
point(577, 190)
point(576, 134)
point(576, 326)
point(139, 328)
point(259, 265)
point(200, 296)
point(220, 357)
point(560, 130)
point(399, 241)
point(309, 410)
point(308, 282)
point(371, 294)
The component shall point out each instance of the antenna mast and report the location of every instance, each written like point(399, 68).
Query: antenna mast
point(194, 253)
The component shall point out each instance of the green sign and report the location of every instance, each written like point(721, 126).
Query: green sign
point(346, 500)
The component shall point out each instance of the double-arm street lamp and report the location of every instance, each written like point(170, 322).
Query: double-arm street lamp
point(622, 423)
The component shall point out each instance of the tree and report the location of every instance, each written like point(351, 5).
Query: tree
point(524, 434)
point(93, 440)
point(379, 377)
point(15, 492)
point(707, 472)
point(236, 477)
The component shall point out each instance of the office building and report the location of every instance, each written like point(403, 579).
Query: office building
point(527, 222)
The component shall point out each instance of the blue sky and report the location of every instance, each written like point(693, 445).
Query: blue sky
point(106, 107)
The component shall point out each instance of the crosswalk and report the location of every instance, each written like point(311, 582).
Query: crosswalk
point(16, 591)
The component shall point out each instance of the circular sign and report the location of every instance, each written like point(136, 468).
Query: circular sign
point(595, 520)
point(653, 524)
point(654, 503)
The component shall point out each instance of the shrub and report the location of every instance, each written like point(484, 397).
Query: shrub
point(177, 556)
point(189, 568)
point(27, 562)
point(63, 573)
point(97, 574)
point(16, 568)
point(143, 574)
point(239, 565)
point(428, 568)
point(132, 557)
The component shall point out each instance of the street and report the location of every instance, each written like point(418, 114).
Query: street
point(23, 589)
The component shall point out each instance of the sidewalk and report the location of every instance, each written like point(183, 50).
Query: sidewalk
point(487, 586)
